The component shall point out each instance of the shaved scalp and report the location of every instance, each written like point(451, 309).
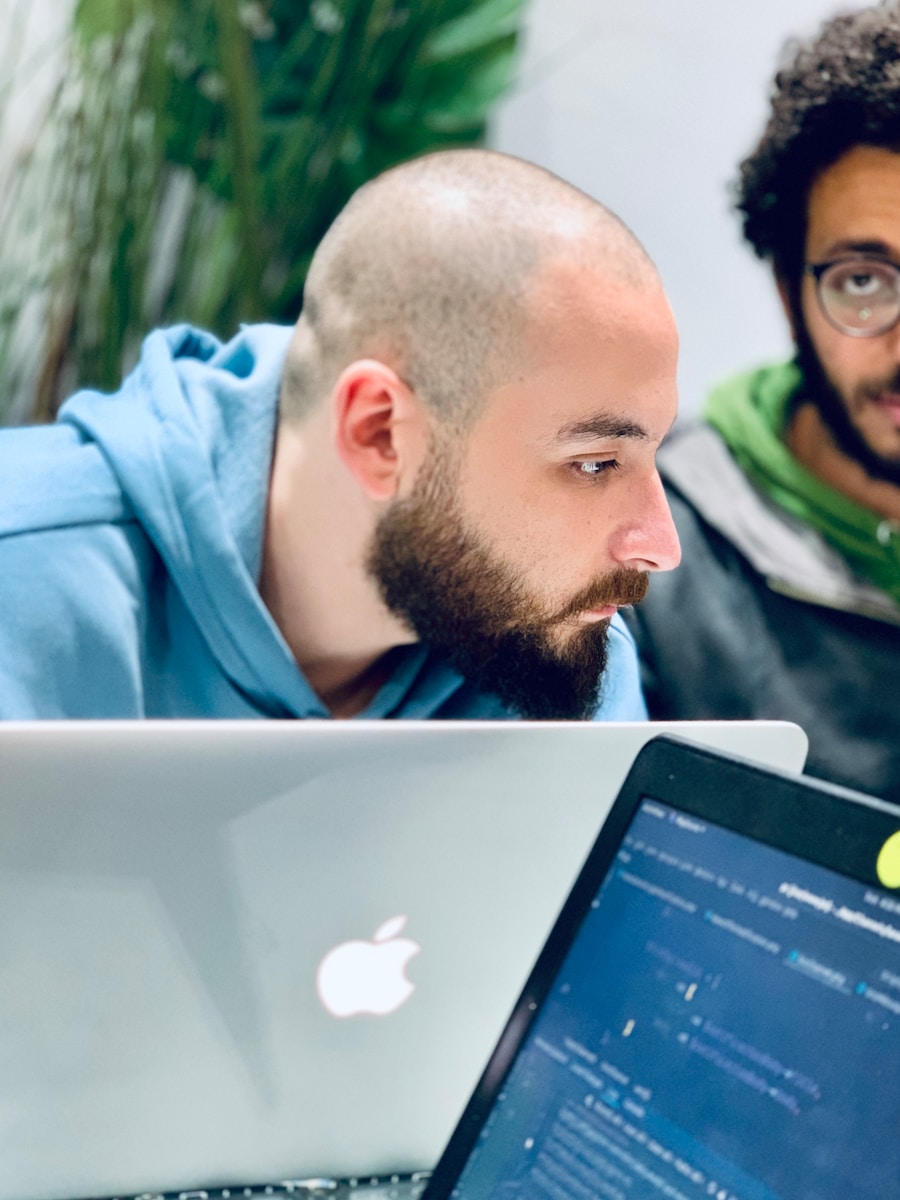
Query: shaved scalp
point(427, 270)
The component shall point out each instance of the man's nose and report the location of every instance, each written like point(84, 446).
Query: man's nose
point(648, 540)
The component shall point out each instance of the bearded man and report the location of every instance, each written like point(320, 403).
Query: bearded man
point(430, 498)
point(787, 498)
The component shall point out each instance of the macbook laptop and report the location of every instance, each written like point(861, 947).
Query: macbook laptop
point(716, 1013)
point(267, 951)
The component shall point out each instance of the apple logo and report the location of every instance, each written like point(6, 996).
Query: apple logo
point(367, 977)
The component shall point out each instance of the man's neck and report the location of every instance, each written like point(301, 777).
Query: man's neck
point(347, 689)
point(810, 441)
point(313, 578)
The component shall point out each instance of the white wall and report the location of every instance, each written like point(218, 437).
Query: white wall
point(649, 105)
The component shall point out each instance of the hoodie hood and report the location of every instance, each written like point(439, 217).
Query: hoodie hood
point(189, 438)
point(751, 413)
point(792, 556)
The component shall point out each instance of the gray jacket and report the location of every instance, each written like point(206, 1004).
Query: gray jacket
point(765, 619)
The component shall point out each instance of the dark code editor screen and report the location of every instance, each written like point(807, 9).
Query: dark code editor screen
point(726, 1025)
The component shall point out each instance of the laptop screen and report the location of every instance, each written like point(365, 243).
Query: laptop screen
point(740, 1042)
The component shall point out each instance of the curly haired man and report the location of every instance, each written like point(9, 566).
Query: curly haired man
point(787, 495)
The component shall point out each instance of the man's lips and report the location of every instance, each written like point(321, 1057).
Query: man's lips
point(620, 589)
point(599, 614)
point(889, 403)
point(887, 399)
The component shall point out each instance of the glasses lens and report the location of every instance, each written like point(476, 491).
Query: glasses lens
point(861, 296)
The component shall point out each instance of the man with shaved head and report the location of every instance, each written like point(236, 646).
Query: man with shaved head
point(427, 499)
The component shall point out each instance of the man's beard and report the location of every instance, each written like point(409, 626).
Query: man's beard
point(820, 391)
point(454, 593)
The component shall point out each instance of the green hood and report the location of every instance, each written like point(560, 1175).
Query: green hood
point(751, 412)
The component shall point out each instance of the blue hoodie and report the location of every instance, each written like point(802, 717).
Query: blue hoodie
point(130, 545)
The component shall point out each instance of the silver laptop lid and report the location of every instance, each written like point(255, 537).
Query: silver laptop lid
point(172, 897)
point(715, 1014)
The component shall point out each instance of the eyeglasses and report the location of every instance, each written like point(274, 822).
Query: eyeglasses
point(859, 296)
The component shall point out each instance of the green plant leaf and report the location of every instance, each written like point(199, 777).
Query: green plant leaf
point(472, 30)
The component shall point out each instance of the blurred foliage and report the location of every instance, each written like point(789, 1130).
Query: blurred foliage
point(192, 155)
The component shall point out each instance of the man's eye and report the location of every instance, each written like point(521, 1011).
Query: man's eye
point(593, 467)
point(859, 284)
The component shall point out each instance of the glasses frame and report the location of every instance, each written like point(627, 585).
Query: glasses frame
point(817, 270)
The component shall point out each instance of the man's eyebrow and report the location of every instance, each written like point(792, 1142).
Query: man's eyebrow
point(603, 425)
point(867, 246)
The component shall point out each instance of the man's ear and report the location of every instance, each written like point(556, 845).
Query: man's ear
point(379, 432)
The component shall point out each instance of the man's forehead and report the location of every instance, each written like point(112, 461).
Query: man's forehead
point(606, 338)
point(854, 205)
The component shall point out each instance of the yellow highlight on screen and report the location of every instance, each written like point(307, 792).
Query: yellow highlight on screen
point(888, 865)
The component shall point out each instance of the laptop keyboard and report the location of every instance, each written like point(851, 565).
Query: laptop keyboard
point(379, 1187)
